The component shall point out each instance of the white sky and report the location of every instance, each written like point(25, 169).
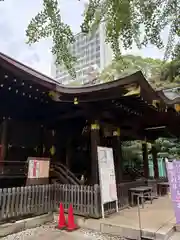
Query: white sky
point(14, 18)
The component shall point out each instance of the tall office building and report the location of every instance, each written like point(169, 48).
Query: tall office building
point(92, 54)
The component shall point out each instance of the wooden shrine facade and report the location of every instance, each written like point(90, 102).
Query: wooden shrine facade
point(39, 117)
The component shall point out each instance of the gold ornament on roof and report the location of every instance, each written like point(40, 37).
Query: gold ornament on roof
point(132, 90)
point(117, 132)
point(76, 101)
point(177, 107)
point(52, 150)
point(155, 103)
point(95, 126)
point(54, 96)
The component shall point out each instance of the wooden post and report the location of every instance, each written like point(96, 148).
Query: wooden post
point(68, 153)
point(155, 162)
point(41, 139)
point(145, 160)
point(117, 152)
point(95, 141)
point(3, 142)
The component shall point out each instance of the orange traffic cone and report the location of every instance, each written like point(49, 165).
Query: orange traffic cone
point(71, 226)
point(61, 219)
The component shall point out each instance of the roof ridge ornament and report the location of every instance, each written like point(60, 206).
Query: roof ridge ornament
point(177, 107)
point(55, 96)
point(133, 90)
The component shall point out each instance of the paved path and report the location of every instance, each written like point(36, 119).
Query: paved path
point(49, 232)
point(56, 235)
point(176, 236)
point(154, 217)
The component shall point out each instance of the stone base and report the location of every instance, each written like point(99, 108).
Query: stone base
point(177, 227)
point(18, 226)
point(128, 232)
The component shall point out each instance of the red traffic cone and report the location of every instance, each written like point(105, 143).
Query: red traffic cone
point(61, 219)
point(71, 226)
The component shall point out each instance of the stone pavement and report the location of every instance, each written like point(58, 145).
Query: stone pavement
point(58, 235)
point(157, 219)
point(176, 236)
point(50, 232)
point(157, 222)
point(153, 217)
point(47, 232)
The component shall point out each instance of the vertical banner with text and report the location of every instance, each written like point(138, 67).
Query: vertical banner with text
point(173, 172)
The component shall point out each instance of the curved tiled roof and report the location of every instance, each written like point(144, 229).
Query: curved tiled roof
point(136, 78)
point(170, 96)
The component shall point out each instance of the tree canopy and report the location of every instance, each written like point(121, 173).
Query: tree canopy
point(171, 71)
point(158, 73)
point(126, 22)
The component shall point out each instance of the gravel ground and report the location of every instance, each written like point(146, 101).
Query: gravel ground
point(49, 232)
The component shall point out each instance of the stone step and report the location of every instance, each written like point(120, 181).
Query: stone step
point(175, 236)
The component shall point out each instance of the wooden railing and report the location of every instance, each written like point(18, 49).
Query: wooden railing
point(25, 201)
point(13, 168)
point(85, 199)
point(20, 202)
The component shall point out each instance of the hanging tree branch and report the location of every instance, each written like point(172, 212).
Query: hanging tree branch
point(126, 22)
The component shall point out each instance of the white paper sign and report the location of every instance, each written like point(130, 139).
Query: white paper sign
point(38, 167)
point(33, 169)
point(107, 175)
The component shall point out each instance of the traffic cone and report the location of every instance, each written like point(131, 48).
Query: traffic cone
point(61, 219)
point(71, 226)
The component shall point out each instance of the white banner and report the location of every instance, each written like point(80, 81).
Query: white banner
point(107, 175)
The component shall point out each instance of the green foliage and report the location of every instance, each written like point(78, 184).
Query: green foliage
point(168, 147)
point(75, 84)
point(158, 74)
point(151, 68)
point(132, 150)
point(48, 23)
point(124, 23)
point(171, 69)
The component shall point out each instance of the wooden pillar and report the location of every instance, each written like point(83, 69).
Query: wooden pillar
point(4, 133)
point(117, 152)
point(95, 141)
point(68, 153)
point(41, 143)
point(145, 160)
point(155, 162)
